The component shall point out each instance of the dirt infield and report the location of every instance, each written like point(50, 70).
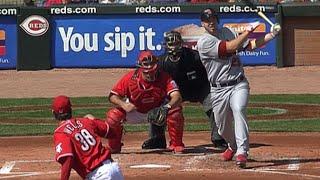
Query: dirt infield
point(97, 82)
point(272, 155)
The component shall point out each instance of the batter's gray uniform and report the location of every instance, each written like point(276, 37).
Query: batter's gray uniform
point(229, 89)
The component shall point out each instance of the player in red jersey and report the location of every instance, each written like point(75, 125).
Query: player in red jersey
point(140, 91)
point(78, 144)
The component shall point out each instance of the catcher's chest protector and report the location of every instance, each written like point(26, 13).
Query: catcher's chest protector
point(146, 96)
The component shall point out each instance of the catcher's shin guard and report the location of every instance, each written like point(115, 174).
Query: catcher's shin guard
point(175, 121)
point(115, 117)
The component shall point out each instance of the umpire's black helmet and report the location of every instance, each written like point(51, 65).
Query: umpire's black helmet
point(207, 13)
point(173, 42)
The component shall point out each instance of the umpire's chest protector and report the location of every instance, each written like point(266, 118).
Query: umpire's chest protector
point(146, 95)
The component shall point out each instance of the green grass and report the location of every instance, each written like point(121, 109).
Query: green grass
point(12, 102)
point(258, 126)
point(17, 117)
point(304, 125)
point(190, 112)
point(287, 98)
point(26, 129)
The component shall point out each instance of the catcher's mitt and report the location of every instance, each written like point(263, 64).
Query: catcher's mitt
point(158, 115)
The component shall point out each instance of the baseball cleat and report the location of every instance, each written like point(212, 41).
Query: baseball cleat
point(176, 149)
point(220, 143)
point(241, 160)
point(228, 154)
point(155, 143)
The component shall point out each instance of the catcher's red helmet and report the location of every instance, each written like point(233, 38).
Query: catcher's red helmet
point(147, 62)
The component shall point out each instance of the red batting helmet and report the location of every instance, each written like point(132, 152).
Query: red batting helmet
point(61, 104)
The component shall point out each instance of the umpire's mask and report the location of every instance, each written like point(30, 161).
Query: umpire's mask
point(173, 45)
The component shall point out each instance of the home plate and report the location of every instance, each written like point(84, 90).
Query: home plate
point(150, 166)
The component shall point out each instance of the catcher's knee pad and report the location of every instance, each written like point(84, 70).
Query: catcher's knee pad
point(115, 117)
point(175, 121)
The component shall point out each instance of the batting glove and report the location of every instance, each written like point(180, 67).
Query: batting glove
point(275, 29)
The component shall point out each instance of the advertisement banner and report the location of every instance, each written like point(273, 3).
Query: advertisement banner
point(265, 55)
point(115, 40)
point(8, 42)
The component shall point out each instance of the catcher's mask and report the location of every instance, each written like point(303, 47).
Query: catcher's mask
point(208, 13)
point(173, 45)
point(147, 62)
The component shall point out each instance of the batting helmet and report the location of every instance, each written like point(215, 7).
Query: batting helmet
point(147, 62)
point(207, 13)
point(173, 42)
point(61, 107)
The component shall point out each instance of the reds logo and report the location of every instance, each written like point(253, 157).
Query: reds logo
point(35, 25)
point(59, 148)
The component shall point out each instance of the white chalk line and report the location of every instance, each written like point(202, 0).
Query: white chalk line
point(195, 169)
point(283, 173)
point(294, 164)
point(7, 167)
point(32, 161)
point(192, 163)
point(274, 169)
point(29, 174)
point(151, 166)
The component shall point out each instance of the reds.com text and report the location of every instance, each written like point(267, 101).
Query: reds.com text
point(73, 10)
point(236, 8)
point(154, 9)
point(8, 11)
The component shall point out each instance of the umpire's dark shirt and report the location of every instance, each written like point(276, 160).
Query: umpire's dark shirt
point(189, 74)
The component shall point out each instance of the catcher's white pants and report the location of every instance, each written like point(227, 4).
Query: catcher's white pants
point(107, 171)
point(135, 117)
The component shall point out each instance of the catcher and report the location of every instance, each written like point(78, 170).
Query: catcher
point(146, 94)
point(185, 67)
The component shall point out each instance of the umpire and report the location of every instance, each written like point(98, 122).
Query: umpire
point(185, 67)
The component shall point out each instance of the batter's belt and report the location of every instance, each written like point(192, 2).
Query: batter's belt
point(228, 83)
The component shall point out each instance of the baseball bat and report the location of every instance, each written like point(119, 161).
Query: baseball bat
point(259, 12)
point(263, 16)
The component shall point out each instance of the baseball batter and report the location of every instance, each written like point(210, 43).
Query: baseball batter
point(229, 87)
point(78, 144)
point(140, 91)
point(185, 67)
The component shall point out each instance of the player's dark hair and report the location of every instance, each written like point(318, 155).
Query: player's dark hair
point(63, 116)
point(207, 13)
